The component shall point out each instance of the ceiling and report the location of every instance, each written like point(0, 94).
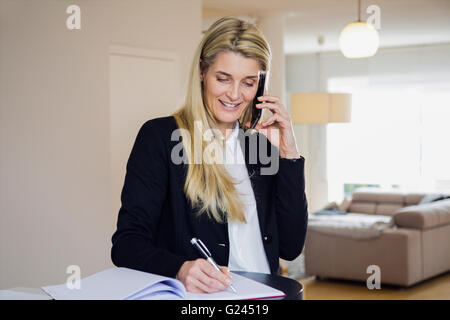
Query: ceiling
point(403, 22)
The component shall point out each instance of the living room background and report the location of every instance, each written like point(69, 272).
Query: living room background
point(395, 139)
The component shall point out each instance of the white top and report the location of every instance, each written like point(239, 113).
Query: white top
point(246, 246)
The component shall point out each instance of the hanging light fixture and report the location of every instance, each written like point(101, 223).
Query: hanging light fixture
point(359, 39)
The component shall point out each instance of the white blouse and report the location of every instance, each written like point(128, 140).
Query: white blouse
point(246, 246)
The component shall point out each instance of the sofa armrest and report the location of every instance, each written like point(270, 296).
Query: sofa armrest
point(424, 216)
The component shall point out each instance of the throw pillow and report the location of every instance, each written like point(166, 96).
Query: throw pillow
point(331, 205)
point(433, 197)
point(345, 205)
point(329, 212)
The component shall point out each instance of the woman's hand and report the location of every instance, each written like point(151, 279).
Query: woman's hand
point(278, 127)
point(199, 276)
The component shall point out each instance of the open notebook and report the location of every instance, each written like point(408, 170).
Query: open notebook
point(129, 284)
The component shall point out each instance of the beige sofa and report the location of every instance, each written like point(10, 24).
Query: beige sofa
point(415, 248)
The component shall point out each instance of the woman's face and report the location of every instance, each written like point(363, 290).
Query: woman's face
point(230, 85)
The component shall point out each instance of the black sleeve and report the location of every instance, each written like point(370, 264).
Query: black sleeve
point(291, 207)
point(143, 194)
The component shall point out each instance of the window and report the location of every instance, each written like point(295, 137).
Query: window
point(398, 137)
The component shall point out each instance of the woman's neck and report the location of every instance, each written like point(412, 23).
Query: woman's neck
point(226, 129)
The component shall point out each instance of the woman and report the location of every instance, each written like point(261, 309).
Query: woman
point(246, 218)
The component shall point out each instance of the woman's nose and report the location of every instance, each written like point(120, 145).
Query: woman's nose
point(233, 92)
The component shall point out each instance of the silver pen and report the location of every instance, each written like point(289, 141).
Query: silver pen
point(205, 253)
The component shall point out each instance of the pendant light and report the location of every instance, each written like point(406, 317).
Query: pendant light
point(359, 39)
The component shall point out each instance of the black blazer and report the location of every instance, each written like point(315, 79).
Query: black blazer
point(156, 222)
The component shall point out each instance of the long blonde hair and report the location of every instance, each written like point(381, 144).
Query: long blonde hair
point(208, 185)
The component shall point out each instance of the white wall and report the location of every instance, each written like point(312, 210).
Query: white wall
point(55, 197)
point(306, 73)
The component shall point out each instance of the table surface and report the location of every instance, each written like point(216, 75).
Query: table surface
point(292, 288)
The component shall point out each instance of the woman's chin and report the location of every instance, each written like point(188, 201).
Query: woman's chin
point(228, 118)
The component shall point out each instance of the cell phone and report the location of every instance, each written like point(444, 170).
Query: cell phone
point(256, 113)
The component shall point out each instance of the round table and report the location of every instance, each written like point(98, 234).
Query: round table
point(293, 289)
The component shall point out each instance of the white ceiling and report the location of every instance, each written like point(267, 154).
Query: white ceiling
point(403, 22)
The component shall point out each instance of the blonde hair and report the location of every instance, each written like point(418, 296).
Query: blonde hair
point(208, 185)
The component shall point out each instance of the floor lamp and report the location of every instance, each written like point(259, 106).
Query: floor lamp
point(315, 110)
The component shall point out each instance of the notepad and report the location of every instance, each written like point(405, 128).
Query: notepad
point(129, 284)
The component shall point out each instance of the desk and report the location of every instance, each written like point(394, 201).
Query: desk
point(293, 289)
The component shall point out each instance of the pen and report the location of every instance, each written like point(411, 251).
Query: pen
point(205, 252)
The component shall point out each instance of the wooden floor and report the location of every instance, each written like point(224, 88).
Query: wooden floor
point(437, 288)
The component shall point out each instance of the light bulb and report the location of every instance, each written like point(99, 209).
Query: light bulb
point(359, 40)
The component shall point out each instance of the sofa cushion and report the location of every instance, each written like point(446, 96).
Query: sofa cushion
point(388, 209)
point(413, 198)
point(362, 207)
point(397, 197)
point(424, 216)
point(374, 195)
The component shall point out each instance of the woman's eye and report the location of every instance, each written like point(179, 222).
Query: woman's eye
point(225, 80)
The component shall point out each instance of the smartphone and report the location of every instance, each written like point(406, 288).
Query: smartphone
point(256, 113)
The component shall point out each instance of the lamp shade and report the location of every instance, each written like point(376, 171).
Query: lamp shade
point(320, 107)
point(359, 40)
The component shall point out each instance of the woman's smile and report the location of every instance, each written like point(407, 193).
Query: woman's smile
point(229, 106)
